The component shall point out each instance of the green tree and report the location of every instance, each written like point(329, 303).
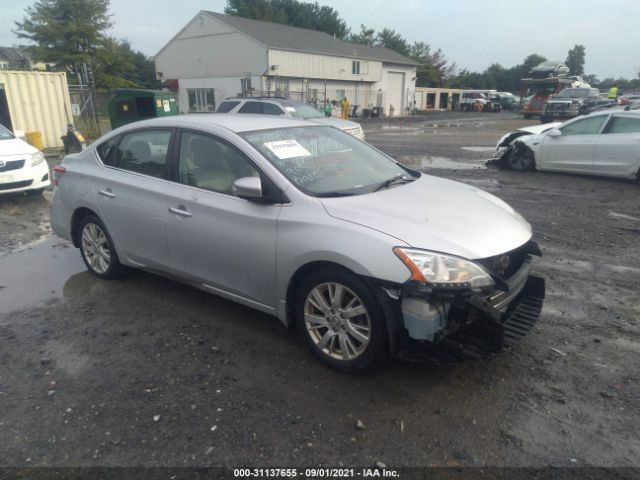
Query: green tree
point(291, 12)
point(575, 60)
point(117, 65)
point(434, 68)
point(67, 32)
point(393, 40)
point(367, 36)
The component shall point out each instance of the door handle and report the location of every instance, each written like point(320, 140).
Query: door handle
point(181, 211)
point(107, 193)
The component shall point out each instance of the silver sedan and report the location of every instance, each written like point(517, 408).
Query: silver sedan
point(307, 223)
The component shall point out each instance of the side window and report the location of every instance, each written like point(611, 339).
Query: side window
point(144, 152)
point(211, 164)
point(271, 109)
point(585, 126)
point(624, 125)
point(251, 107)
point(106, 151)
point(226, 107)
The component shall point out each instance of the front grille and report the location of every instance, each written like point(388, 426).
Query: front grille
point(12, 165)
point(558, 107)
point(12, 185)
point(506, 264)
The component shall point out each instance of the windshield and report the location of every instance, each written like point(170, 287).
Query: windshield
point(302, 110)
point(325, 162)
point(573, 93)
point(5, 134)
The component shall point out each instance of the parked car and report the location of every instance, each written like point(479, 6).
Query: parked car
point(508, 101)
point(571, 102)
point(23, 167)
point(632, 99)
point(504, 146)
point(601, 143)
point(290, 109)
point(302, 221)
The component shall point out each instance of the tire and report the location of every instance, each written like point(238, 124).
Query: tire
point(96, 248)
point(37, 191)
point(341, 320)
point(519, 158)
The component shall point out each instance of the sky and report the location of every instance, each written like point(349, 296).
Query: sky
point(472, 33)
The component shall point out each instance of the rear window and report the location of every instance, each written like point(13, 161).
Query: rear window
point(624, 125)
point(106, 150)
point(226, 107)
point(251, 107)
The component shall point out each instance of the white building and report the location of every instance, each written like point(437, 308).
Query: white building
point(216, 56)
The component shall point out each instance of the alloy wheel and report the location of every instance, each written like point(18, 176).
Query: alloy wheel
point(337, 321)
point(95, 247)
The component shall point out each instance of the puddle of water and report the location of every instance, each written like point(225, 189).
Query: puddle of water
point(479, 149)
point(426, 161)
point(37, 274)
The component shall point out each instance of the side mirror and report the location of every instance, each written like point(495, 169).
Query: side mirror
point(249, 188)
point(554, 132)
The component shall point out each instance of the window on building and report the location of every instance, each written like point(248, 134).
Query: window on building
point(201, 100)
point(355, 67)
point(340, 94)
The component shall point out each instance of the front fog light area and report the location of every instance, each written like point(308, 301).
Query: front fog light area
point(442, 270)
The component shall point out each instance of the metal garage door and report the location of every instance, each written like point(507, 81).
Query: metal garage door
point(395, 93)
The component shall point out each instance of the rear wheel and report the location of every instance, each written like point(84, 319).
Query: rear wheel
point(97, 249)
point(341, 320)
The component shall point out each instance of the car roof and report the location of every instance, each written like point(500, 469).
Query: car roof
point(234, 123)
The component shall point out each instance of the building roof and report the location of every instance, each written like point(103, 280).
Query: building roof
point(15, 56)
point(285, 37)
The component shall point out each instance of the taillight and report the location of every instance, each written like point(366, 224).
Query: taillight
point(58, 171)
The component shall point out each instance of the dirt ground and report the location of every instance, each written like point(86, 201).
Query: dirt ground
point(146, 371)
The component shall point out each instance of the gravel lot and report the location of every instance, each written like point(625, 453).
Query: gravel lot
point(146, 371)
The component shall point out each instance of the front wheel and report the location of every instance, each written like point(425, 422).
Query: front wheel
point(518, 158)
point(341, 320)
point(97, 249)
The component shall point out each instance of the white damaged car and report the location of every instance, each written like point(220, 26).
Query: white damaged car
point(602, 143)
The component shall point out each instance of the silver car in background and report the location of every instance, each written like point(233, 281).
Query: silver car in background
point(302, 221)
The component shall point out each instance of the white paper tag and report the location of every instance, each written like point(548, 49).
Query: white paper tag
point(290, 109)
point(284, 149)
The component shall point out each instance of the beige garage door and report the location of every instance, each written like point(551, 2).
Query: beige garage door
point(395, 93)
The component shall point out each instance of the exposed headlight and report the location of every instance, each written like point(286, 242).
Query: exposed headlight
point(37, 158)
point(442, 270)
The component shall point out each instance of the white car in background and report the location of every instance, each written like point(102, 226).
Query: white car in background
point(605, 143)
point(287, 108)
point(23, 167)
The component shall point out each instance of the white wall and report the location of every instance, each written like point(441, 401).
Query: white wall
point(408, 89)
point(309, 65)
point(207, 47)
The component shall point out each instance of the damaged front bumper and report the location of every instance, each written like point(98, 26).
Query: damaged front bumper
point(443, 326)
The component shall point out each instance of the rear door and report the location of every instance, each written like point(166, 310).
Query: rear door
point(130, 194)
point(223, 242)
point(573, 151)
point(618, 148)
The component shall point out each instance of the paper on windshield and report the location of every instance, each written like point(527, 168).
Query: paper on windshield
point(284, 149)
point(290, 109)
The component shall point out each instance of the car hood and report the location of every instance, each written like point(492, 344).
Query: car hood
point(15, 146)
point(336, 122)
point(531, 130)
point(537, 129)
point(437, 214)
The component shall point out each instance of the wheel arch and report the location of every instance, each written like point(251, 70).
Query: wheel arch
point(76, 219)
point(390, 306)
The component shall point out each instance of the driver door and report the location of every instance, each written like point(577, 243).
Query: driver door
point(574, 150)
point(216, 239)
